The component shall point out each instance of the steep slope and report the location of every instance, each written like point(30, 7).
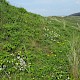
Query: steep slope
point(18, 24)
point(35, 47)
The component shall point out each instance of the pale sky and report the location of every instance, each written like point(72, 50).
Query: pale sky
point(49, 7)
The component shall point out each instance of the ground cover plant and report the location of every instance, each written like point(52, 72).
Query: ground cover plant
point(33, 47)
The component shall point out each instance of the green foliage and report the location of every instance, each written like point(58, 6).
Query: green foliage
point(33, 47)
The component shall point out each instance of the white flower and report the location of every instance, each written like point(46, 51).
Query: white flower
point(56, 34)
point(47, 29)
point(0, 68)
point(16, 63)
point(4, 66)
point(52, 31)
point(68, 78)
point(22, 62)
point(18, 57)
point(29, 63)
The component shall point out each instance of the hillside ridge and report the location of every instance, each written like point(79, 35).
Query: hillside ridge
point(75, 14)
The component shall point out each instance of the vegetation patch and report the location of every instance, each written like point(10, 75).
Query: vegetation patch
point(33, 47)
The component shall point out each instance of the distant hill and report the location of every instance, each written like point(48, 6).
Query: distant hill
point(75, 14)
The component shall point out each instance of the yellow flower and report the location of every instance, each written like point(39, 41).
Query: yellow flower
point(48, 55)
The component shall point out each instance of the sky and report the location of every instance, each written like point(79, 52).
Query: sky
point(48, 7)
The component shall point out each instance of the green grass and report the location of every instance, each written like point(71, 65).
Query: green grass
point(33, 47)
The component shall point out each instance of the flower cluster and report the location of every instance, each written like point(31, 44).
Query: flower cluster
point(13, 62)
point(22, 64)
point(50, 34)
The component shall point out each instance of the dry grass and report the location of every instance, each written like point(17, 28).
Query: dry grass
point(73, 58)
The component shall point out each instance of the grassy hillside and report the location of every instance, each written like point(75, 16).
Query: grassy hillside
point(33, 47)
